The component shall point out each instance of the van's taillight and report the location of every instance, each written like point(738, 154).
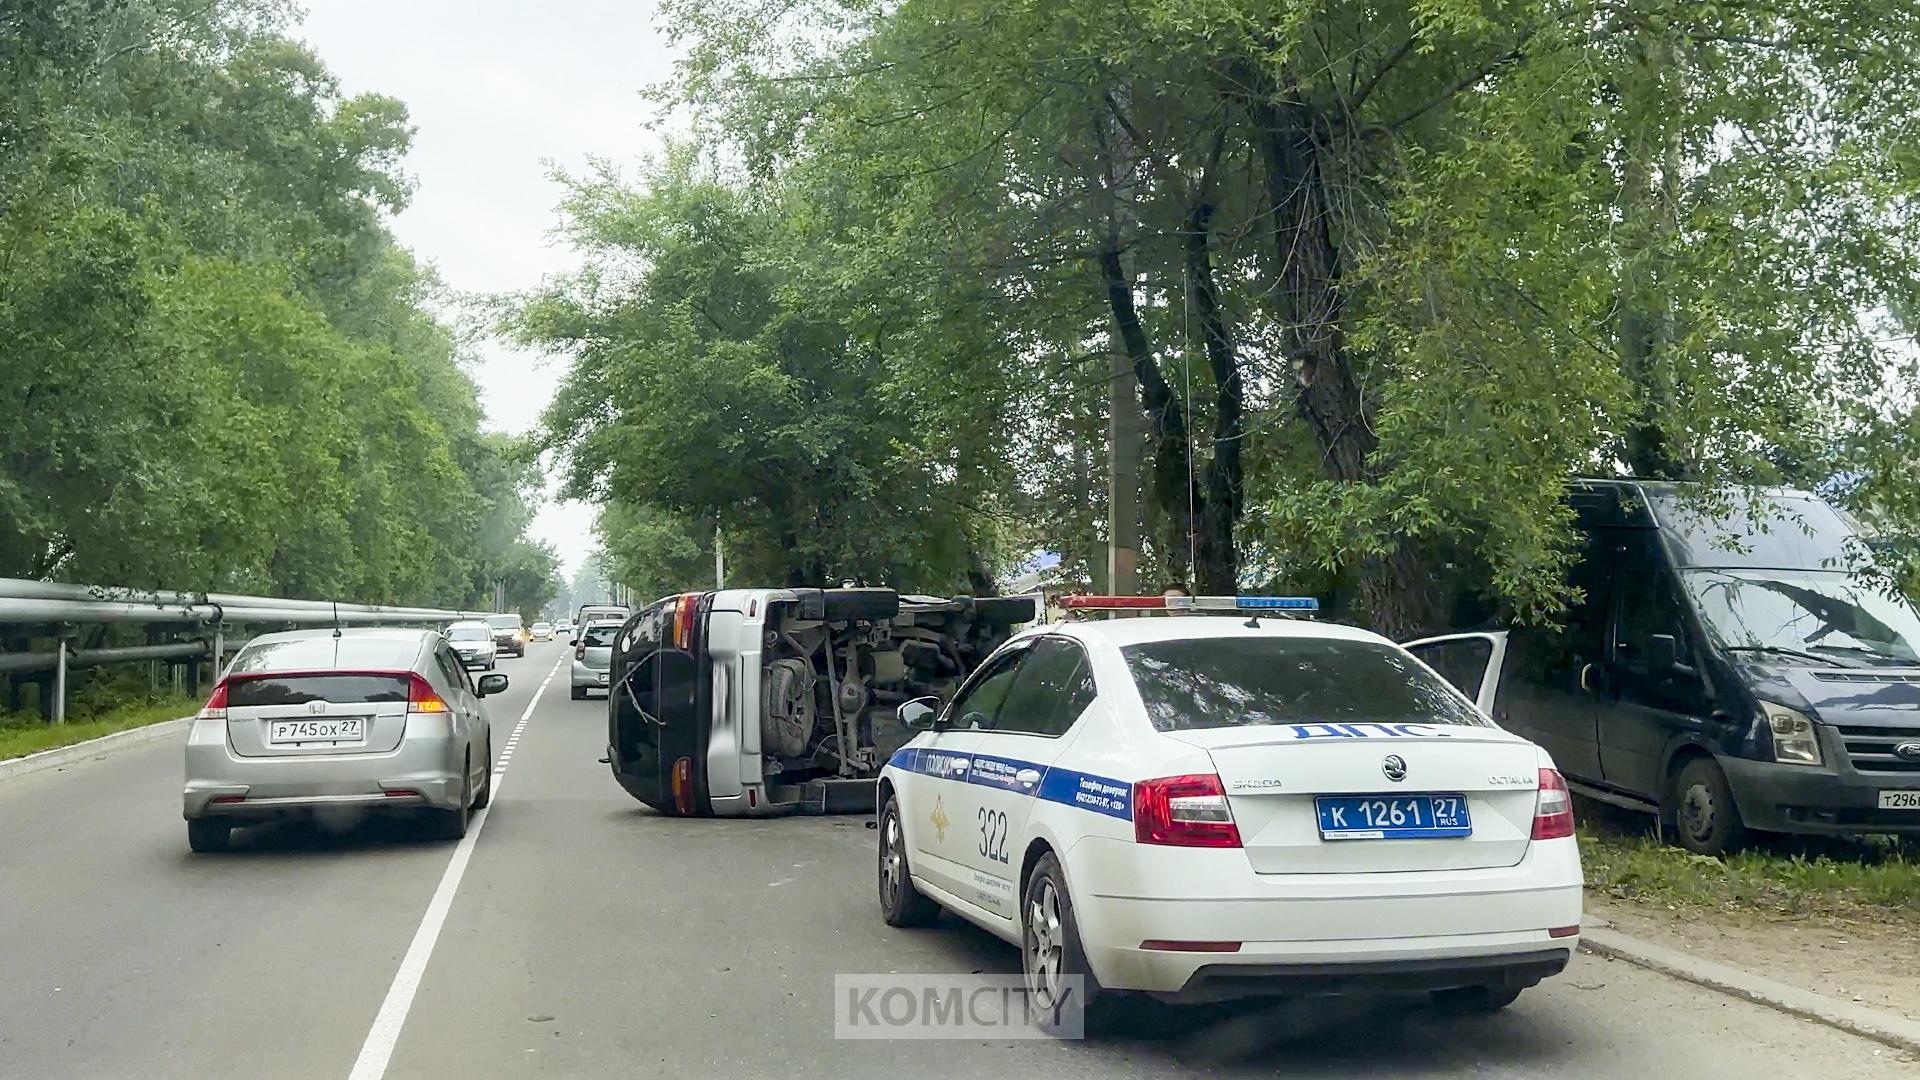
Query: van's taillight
point(1552, 807)
point(1184, 811)
point(216, 706)
point(683, 787)
point(421, 696)
point(684, 611)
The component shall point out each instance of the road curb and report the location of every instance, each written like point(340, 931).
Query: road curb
point(1882, 1027)
point(101, 747)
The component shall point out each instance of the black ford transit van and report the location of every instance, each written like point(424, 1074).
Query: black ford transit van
point(1726, 674)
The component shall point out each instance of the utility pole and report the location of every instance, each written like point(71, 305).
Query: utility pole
point(1124, 420)
point(719, 562)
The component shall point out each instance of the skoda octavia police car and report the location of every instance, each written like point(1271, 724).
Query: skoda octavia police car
point(1200, 808)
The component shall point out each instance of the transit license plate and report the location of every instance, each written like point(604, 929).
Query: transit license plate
point(333, 729)
point(1393, 817)
point(1900, 800)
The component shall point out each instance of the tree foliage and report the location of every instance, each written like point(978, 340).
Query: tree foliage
point(727, 372)
point(217, 368)
point(1387, 274)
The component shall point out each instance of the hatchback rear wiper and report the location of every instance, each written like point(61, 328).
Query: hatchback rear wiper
point(1782, 650)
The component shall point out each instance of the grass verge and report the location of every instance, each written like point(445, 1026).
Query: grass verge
point(1867, 878)
point(23, 735)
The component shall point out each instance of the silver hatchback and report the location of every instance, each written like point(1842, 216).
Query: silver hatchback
point(310, 721)
point(592, 657)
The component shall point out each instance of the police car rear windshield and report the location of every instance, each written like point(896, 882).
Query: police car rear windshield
point(1252, 681)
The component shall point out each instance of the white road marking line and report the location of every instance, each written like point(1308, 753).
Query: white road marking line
point(377, 1051)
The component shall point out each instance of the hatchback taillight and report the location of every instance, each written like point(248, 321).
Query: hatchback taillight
point(1184, 811)
point(1552, 807)
point(580, 653)
point(422, 697)
point(216, 706)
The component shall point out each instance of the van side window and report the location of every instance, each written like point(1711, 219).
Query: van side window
point(1649, 605)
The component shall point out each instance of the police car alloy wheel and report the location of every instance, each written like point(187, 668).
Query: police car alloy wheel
point(1051, 957)
point(900, 902)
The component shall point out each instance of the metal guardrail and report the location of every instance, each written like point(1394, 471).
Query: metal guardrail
point(60, 608)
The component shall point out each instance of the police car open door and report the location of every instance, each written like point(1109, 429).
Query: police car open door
point(1471, 662)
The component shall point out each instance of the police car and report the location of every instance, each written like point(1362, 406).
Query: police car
point(1200, 808)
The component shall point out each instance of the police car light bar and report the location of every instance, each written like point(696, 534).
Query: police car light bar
point(1190, 603)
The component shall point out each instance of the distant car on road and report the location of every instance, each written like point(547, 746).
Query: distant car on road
point(316, 720)
point(563, 628)
point(473, 643)
point(593, 613)
point(508, 635)
point(592, 657)
point(542, 631)
point(1205, 808)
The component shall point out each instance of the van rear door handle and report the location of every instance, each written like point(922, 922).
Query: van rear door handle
point(1585, 684)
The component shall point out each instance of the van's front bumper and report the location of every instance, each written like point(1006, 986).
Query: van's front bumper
point(1831, 799)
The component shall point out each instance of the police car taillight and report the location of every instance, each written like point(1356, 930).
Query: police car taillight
point(1184, 811)
point(1552, 808)
point(1300, 604)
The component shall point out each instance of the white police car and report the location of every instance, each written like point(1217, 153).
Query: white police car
point(1201, 808)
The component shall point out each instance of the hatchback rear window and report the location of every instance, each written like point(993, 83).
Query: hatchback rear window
point(321, 652)
point(1253, 681)
point(599, 636)
point(296, 689)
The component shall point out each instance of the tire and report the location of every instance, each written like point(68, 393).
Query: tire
point(860, 603)
point(1476, 999)
point(1706, 821)
point(900, 903)
point(485, 797)
point(1004, 610)
point(206, 835)
point(579, 693)
point(1051, 953)
point(452, 824)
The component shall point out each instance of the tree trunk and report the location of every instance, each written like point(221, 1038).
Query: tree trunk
point(1218, 572)
point(1396, 590)
point(1649, 173)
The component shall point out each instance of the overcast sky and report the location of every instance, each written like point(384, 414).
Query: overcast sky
point(497, 89)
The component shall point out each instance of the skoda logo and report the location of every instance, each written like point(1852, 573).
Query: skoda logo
point(1908, 750)
point(315, 708)
point(1395, 767)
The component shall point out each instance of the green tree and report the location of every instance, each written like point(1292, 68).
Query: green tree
point(724, 373)
point(217, 368)
point(1459, 251)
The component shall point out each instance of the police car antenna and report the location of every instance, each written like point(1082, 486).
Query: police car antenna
point(336, 618)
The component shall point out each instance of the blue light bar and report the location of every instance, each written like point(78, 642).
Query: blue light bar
point(1277, 603)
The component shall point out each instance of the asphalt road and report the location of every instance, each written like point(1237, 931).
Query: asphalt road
point(583, 936)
